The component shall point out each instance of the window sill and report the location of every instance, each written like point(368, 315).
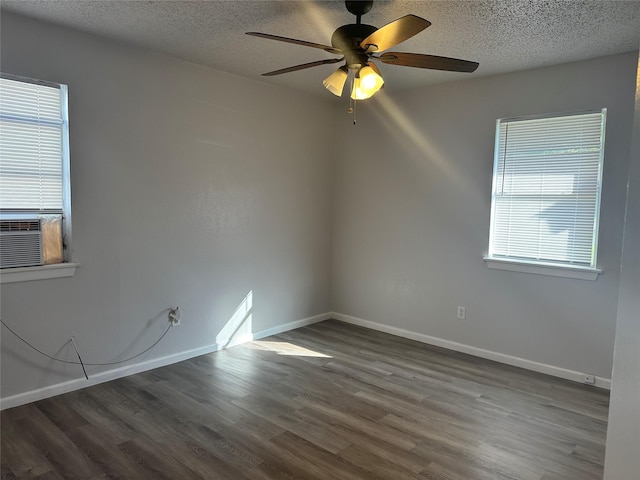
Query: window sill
point(581, 273)
point(44, 272)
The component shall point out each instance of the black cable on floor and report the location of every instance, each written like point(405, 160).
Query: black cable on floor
point(80, 362)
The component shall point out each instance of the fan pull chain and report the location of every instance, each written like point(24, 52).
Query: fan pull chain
point(352, 104)
point(355, 110)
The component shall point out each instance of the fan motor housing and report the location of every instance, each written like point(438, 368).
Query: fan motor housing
point(360, 7)
point(347, 38)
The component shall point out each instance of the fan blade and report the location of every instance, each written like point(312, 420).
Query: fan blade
point(302, 67)
point(375, 68)
point(395, 32)
point(326, 48)
point(428, 61)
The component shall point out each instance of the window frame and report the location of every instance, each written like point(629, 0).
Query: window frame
point(541, 267)
point(66, 268)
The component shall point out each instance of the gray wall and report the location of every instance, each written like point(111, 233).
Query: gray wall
point(193, 187)
point(411, 217)
point(622, 461)
point(190, 187)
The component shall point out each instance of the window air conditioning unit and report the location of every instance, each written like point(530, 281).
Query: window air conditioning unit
point(20, 243)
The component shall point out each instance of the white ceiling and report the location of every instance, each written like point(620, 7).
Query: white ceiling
point(502, 35)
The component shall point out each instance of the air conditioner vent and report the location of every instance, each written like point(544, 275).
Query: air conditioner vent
point(20, 243)
point(19, 225)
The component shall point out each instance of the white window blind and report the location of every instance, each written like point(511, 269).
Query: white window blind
point(35, 195)
point(546, 189)
point(32, 128)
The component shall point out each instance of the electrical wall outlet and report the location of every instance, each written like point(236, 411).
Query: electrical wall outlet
point(462, 312)
point(588, 379)
point(174, 316)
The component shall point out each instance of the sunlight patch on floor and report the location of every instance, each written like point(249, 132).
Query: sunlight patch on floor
point(286, 348)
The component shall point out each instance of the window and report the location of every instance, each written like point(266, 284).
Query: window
point(546, 193)
point(35, 197)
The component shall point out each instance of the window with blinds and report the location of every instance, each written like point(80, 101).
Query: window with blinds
point(34, 172)
point(546, 189)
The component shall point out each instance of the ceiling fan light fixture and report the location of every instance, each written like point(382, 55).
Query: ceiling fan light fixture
point(355, 44)
point(366, 83)
point(335, 82)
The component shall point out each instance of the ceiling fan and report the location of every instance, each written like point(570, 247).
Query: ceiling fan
point(360, 44)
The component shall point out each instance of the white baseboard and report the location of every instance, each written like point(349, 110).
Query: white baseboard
point(292, 325)
point(79, 383)
point(270, 331)
point(478, 352)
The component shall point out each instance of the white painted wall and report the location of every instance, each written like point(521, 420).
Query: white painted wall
point(190, 187)
point(411, 222)
point(622, 461)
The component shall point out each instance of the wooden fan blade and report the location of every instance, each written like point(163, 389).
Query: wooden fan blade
point(302, 66)
point(395, 32)
point(428, 61)
point(326, 48)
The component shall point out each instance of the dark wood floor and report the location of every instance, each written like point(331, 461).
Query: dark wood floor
point(328, 401)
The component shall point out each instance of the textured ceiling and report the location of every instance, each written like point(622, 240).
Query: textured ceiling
point(502, 35)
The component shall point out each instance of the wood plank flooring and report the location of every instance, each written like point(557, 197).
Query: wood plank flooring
point(328, 401)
